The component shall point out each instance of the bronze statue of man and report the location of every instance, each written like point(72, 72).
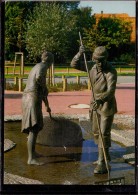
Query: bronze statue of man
point(35, 92)
point(103, 78)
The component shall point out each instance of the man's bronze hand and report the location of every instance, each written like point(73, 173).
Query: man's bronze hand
point(81, 49)
point(96, 104)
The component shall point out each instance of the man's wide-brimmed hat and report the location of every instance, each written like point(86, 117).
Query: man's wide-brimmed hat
point(100, 53)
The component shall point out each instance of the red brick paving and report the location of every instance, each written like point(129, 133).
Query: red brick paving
point(60, 101)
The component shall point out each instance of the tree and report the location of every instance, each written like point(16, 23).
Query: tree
point(84, 21)
point(70, 5)
point(48, 29)
point(15, 16)
point(25, 30)
point(112, 32)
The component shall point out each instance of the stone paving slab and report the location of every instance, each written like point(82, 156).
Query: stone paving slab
point(125, 137)
point(15, 179)
point(8, 145)
point(129, 158)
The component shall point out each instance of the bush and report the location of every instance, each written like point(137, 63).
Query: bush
point(12, 86)
point(70, 87)
point(129, 58)
point(58, 87)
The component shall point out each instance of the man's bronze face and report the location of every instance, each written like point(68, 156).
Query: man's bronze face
point(101, 63)
point(100, 57)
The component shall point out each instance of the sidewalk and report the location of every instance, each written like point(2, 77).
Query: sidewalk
point(60, 101)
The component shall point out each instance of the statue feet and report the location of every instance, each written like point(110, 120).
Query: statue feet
point(35, 162)
point(95, 162)
point(101, 169)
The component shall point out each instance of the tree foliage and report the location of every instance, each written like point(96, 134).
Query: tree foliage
point(111, 32)
point(32, 26)
point(48, 29)
point(70, 5)
point(15, 16)
point(84, 20)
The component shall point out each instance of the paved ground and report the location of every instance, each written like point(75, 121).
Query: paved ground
point(60, 101)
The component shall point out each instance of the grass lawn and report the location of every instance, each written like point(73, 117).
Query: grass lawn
point(58, 72)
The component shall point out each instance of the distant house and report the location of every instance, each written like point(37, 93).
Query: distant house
point(124, 16)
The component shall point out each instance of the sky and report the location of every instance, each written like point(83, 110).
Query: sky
point(110, 6)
